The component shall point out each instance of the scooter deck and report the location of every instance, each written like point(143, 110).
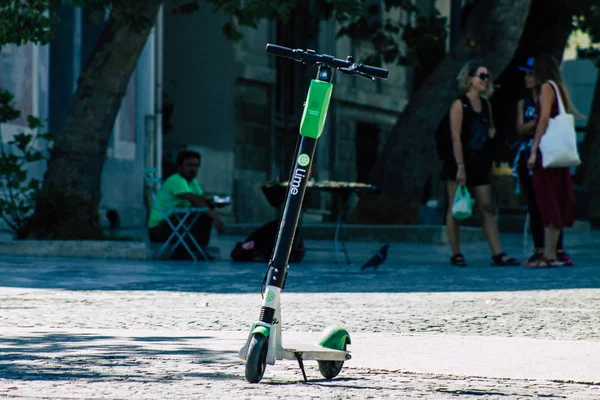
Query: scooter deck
point(313, 352)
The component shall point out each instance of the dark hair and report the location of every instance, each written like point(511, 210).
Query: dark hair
point(546, 68)
point(185, 154)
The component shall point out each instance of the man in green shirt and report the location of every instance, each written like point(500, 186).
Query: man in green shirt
point(183, 190)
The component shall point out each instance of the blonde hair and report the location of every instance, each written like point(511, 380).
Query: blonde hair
point(466, 74)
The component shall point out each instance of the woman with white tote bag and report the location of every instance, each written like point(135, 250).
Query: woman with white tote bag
point(553, 139)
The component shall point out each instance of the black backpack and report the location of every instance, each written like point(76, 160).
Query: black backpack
point(443, 138)
point(443, 135)
point(259, 245)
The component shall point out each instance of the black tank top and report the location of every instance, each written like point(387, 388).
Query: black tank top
point(529, 110)
point(529, 114)
point(475, 127)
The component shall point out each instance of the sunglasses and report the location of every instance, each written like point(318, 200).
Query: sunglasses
point(482, 76)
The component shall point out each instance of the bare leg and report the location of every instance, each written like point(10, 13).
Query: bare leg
point(452, 225)
point(483, 196)
point(552, 233)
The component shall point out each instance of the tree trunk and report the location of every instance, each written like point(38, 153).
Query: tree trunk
point(491, 34)
point(67, 207)
point(589, 170)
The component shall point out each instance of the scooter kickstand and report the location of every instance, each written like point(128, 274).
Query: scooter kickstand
point(301, 363)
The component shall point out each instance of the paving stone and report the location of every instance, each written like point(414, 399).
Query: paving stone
point(126, 329)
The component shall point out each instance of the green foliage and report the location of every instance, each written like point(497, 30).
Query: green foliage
point(98, 5)
point(7, 111)
point(17, 190)
point(24, 21)
point(361, 20)
point(340, 10)
point(423, 40)
point(32, 21)
point(587, 20)
point(587, 17)
point(245, 13)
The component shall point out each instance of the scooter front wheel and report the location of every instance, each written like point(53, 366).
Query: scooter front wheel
point(256, 361)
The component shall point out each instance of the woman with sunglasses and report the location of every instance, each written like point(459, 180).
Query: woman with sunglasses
point(526, 123)
point(471, 127)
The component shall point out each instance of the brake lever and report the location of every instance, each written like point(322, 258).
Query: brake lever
point(365, 75)
point(353, 71)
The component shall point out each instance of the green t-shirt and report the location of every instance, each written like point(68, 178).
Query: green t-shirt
point(173, 186)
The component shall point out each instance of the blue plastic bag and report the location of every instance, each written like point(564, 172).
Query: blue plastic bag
point(462, 206)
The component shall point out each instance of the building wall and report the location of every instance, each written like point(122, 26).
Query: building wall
point(360, 108)
point(223, 98)
point(199, 81)
point(580, 76)
point(253, 125)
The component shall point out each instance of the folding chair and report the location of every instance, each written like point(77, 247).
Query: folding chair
point(185, 217)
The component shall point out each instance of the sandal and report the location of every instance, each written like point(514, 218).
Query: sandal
point(459, 260)
point(502, 260)
point(563, 257)
point(546, 263)
point(534, 257)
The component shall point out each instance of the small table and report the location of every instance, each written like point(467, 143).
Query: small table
point(275, 191)
point(220, 201)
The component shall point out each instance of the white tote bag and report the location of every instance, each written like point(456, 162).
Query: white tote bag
point(559, 143)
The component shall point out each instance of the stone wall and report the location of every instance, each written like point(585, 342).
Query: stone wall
point(252, 150)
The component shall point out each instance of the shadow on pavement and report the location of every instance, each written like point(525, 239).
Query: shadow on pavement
point(57, 356)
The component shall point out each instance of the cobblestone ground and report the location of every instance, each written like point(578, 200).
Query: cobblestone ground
point(82, 329)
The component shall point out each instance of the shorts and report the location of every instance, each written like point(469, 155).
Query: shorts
point(478, 173)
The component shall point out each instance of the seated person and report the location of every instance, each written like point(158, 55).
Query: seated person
point(183, 190)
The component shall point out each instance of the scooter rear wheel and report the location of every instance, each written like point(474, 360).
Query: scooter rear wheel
point(256, 361)
point(331, 369)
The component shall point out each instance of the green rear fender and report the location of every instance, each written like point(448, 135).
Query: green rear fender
point(335, 337)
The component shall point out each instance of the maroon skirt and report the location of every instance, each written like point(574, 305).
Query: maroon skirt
point(555, 195)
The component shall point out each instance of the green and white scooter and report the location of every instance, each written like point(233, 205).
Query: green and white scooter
point(264, 345)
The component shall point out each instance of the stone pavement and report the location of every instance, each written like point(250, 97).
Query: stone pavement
point(91, 329)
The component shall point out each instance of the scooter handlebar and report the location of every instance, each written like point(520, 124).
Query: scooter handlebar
point(312, 57)
point(281, 51)
point(375, 71)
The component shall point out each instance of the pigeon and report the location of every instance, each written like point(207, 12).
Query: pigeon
point(377, 259)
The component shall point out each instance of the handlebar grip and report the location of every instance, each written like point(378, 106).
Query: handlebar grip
point(280, 51)
point(374, 71)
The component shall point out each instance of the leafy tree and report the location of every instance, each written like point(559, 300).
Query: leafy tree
point(17, 190)
point(25, 21)
point(67, 205)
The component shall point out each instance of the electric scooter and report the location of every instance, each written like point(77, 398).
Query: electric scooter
point(264, 344)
